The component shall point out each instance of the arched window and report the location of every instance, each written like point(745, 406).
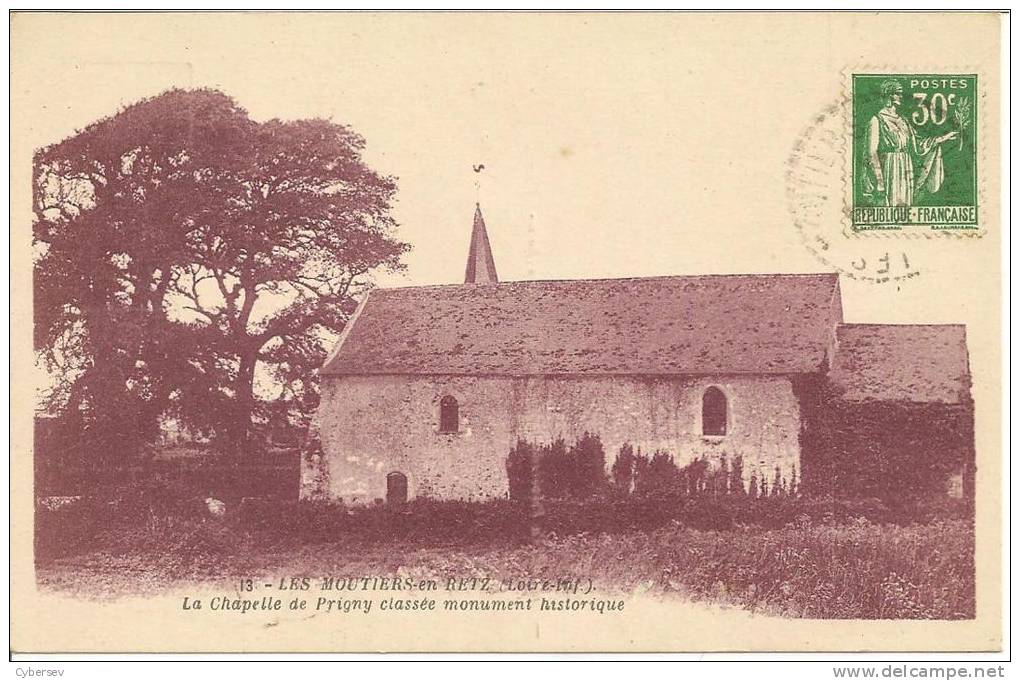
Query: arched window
point(713, 412)
point(449, 415)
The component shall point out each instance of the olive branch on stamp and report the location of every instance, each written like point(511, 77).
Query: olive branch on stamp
point(914, 152)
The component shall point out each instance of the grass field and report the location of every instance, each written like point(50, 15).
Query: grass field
point(852, 569)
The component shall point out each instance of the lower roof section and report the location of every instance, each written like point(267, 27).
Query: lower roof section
point(919, 363)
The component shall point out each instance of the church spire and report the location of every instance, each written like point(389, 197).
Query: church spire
point(481, 269)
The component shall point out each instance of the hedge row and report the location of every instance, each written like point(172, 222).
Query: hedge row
point(559, 471)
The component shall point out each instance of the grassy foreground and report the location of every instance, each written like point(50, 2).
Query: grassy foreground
point(853, 569)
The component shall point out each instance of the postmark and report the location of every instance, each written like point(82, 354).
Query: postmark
point(913, 152)
point(815, 198)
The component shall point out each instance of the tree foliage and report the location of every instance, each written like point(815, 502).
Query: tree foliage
point(194, 263)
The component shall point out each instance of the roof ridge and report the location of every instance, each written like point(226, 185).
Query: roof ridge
point(658, 277)
point(903, 325)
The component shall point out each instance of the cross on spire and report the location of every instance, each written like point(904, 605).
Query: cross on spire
point(481, 268)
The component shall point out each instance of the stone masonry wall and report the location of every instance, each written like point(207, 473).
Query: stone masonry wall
point(374, 425)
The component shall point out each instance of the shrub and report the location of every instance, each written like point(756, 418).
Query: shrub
point(660, 474)
point(657, 474)
point(578, 471)
point(720, 477)
point(554, 470)
point(619, 512)
point(695, 476)
point(778, 485)
point(588, 461)
point(623, 469)
point(69, 529)
point(736, 482)
point(520, 465)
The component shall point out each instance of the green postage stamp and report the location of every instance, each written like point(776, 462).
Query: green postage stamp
point(914, 152)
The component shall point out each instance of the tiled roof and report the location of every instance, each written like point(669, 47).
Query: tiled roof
point(908, 363)
point(773, 324)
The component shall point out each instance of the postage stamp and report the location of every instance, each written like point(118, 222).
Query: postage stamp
point(914, 152)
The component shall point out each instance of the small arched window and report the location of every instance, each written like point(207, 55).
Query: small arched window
point(713, 412)
point(449, 415)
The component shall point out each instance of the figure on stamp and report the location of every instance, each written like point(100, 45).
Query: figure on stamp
point(893, 148)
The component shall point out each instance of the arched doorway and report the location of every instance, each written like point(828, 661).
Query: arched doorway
point(396, 488)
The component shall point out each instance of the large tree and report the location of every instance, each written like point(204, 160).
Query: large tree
point(189, 259)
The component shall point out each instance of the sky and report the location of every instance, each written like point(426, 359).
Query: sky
point(613, 145)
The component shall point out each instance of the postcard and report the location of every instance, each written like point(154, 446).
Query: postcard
point(506, 332)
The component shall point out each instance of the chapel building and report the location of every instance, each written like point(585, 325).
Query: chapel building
point(429, 387)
